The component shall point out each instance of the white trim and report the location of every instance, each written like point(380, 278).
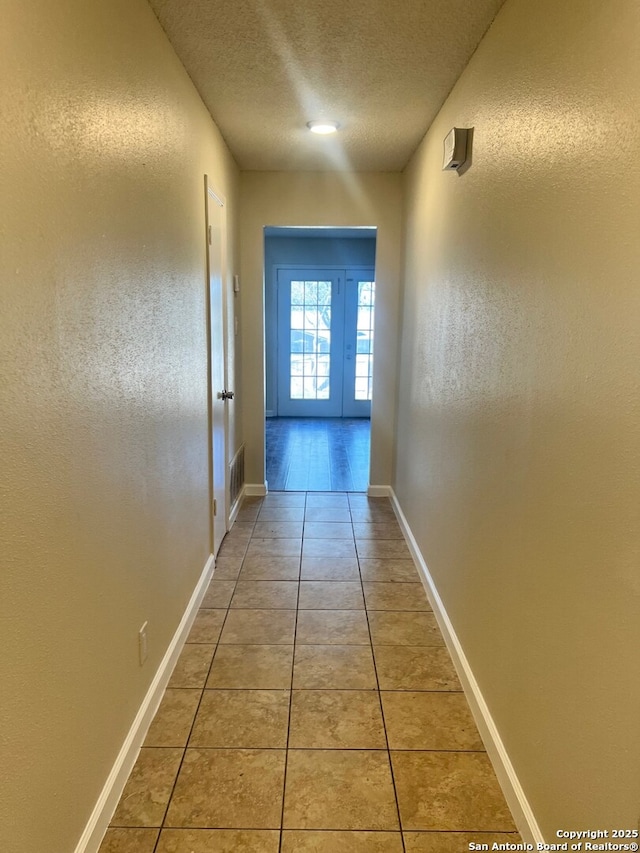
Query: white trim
point(98, 823)
point(379, 491)
point(218, 198)
point(509, 782)
point(255, 490)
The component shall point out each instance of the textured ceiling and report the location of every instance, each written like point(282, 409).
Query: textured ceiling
point(382, 68)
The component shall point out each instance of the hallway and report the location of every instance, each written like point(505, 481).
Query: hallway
point(314, 707)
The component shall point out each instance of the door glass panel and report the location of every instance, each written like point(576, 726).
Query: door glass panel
point(364, 339)
point(310, 327)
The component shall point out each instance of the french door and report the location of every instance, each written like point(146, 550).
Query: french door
point(325, 342)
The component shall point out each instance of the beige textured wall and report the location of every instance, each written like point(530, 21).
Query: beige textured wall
point(311, 199)
point(104, 144)
point(519, 417)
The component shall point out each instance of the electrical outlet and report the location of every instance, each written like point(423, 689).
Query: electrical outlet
point(142, 644)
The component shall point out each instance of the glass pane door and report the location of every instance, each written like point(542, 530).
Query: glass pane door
point(366, 295)
point(310, 333)
point(358, 358)
point(310, 341)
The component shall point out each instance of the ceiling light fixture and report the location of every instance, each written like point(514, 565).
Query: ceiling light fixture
point(323, 127)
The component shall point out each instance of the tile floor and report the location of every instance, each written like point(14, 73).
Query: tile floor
point(314, 707)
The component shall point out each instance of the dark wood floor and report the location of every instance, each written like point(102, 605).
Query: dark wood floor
point(318, 454)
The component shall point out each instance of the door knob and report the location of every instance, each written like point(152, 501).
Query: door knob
point(225, 395)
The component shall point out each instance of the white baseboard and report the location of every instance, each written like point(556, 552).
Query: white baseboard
point(255, 490)
point(509, 782)
point(379, 491)
point(98, 823)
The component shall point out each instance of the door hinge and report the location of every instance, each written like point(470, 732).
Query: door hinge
point(215, 507)
point(210, 235)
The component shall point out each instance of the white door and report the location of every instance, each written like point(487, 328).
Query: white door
point(325, 342)
point(310, 329)
point(217, 368)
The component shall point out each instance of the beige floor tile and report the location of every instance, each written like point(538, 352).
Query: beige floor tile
point(328, 513)
point(308, 841)
point(207, 626)
point(249, 513)
point(192, 666)
point(251, 668)
point(129, 841)
point(246, 719)
point(146, 794)
point(429, 721)
point(241, 530)
point(219, 841)
point(331, 595)
point(284, 499)
point(328, 530)
point(449, 791)
point(328, 548)
point(415, 668)
point(330, 569)
point(232, 551)
point(228, 789)
point(334, 668)
point(339, 789)
point(227, 559)
point(270, 569)
point(265, 595)
point(274, 548)
point(382, 549)
point(391, 570)
point(395, 596)
point(327, 499)
point(372, 514)
point(278, 529)
point(218, 595)
point(377, 530)
point(454, 842)
point(232, 548)
point(336, 719)
point(281, 513)
point(404, 628)
point(259, 627)
point(332, 627)
point(228, 570)
point(174, 718)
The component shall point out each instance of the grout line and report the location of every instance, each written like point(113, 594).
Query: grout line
point(316, 748)
point(293, 661)
point(384, 724)
point(344, 829)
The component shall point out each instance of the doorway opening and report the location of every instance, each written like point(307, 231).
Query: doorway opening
point(319, 340)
